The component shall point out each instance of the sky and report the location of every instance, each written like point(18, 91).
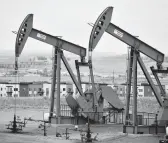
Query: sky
point(147, 19)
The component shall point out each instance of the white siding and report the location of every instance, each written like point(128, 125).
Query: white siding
point(15, 92)
point(3, 90)
point(47, 86)
point(5, 87)
point(166, 89)
point(140, 91)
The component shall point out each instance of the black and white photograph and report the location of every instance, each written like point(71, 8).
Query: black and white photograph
point(82, 71)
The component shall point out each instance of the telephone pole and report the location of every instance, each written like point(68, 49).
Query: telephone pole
point(113, 76)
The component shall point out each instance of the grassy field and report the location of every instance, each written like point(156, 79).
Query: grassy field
point(144, 104)
point(26, 102)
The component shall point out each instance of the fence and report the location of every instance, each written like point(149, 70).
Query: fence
point(114, 117)
point(66, 111)
point(75, 116)
point(143, 118)
point(146, 118)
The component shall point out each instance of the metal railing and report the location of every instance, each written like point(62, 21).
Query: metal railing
point(114, 117)
point(146, 118)
point(143, 118)
point(74, 114)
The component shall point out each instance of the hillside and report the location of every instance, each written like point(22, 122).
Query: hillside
point(104, 64)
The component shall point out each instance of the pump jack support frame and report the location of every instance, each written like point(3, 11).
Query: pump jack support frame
point(128, 89)
point(60, 56)
point(155, 73)
point(89, 64)
point(132, 71)
point(133, 68)
point(53, 84)
point(78, 64)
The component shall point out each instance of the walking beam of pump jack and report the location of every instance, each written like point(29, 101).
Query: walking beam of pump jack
point(91, 101)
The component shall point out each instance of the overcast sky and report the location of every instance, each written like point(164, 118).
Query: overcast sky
point(68, 18)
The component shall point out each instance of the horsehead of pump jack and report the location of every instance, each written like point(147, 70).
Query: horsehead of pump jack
point(97, 31)
point(99, 27)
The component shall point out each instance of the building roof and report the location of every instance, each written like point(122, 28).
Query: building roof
point(40, 79)
point(84, 82)
point(147, 84)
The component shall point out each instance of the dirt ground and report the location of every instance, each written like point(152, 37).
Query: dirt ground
point(31, 133)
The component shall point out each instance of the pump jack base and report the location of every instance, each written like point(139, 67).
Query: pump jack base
point(141, 129)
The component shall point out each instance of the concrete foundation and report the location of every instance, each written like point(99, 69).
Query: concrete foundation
point(144, 129)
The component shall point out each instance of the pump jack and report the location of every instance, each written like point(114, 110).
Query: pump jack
point(137, 47)
point(26, 30)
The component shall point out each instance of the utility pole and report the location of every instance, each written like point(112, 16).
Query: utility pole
point(113, 76)
point(127, 61)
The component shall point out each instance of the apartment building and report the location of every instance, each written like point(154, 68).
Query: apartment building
point(64, 87)
point(13, 89)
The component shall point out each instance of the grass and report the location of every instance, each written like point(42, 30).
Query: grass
point(144, 104)
point(147, 104)
point(26, 102)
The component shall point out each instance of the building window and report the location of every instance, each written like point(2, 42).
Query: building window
point(47, 91)
point(15, 89)
point(40, 92)
point(76, 90)
point(69, 90)
point(140, 90)
point(9, 89)
point(1, 88)
point(148, 90)
point(63, 89)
